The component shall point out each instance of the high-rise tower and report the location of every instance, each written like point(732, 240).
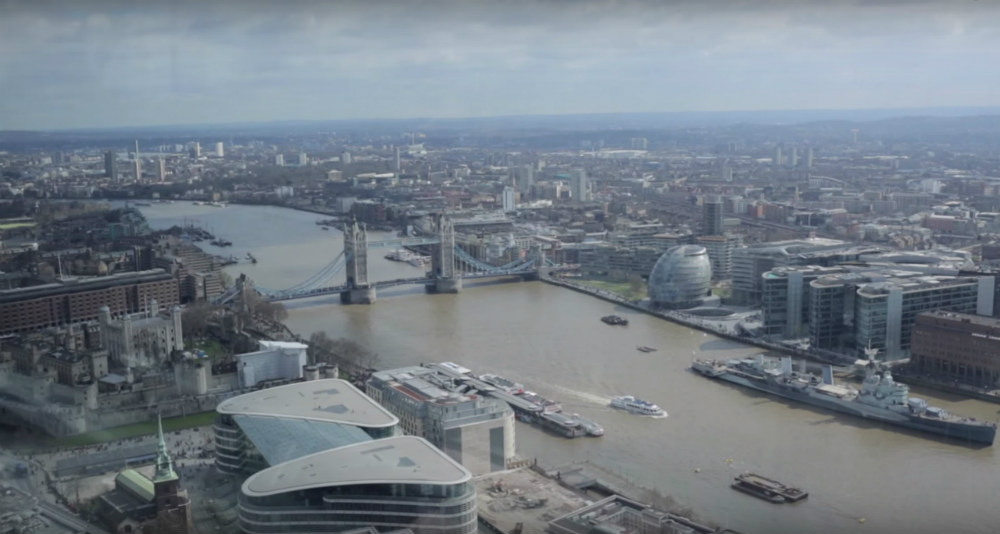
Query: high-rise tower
point(712, 216)
point(111, 165)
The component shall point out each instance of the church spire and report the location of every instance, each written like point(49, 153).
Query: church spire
point(164, 464)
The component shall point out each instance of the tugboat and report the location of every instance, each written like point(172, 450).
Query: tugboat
point(615, 320)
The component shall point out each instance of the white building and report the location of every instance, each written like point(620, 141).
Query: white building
point(219, 150)
point(476, 431)
point(508, 199)
point(142, 339)
point(276, 360)
point(279, 160)
point(303, 159)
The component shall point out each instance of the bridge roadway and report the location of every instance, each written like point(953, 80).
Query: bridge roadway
point(336, 290)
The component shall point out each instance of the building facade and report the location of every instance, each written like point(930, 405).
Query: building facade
point(144, 339)
point(476, 431)
point(957, 346)
point(393, 483)
point(681, 278)
point(75, 301)
point(268, 427)
point(276, 360)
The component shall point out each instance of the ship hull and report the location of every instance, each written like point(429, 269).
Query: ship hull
point(974, 433)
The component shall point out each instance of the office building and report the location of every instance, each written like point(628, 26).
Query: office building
point(681, 278)
point(161, 170)
point(111, 165)
point(276, 360)
point(476, 431)
point(809, 158)
point(957, 346)
point(885, 311)
point(525, 179)
point(303, 159)
point(785, 299)
point(638, 143)
point(778, 160)
point(712, 223)
point(73, 301)
point(137, 169)
point(720, 253)
point(196, 150)
point(750, 262)
point(508, 199)
point(851, 308)
point(579, 186)
point(268, 427)
point(144, 339)
point(220, 150)
point(396, 166)
point(345, 158)
point(793, 161)
point(279, 160)
point(393, 483)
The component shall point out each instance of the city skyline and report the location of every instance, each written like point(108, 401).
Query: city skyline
point(114, 64)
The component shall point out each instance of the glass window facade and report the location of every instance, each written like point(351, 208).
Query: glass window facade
point(682, 277)
point(424, 508)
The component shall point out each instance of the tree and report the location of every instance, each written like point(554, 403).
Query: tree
point(340, 350)
point(194, 319)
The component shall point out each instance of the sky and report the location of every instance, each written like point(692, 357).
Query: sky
point(94, 64)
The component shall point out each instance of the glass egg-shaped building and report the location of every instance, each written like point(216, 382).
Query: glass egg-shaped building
point(681, 278)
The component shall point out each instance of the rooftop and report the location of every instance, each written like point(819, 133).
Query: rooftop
point(280, 439)
point(401, 459)
point(329, 400)
point(977, 320)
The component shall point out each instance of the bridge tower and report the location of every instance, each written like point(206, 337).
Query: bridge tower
point(358, 291)
point(447, 279)
point(538, 255)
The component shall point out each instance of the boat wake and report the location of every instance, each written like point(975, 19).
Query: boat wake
point(582, 395)
point(664, 416)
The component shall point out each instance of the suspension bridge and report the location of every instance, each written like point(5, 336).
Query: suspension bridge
point(450, 264)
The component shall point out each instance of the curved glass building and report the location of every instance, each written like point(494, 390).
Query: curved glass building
point(681, 278)
point(392, 483)
point(269, 426)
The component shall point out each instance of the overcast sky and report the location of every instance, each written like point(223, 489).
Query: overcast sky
point(88, 63)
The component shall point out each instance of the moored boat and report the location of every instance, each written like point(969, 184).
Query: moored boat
point(880, 398)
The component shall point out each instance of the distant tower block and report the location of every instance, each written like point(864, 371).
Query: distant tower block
point(854, 135)
point(220, 150)
point(777, 157)
point(358, 291)
point(809, 158)
point(712, 213)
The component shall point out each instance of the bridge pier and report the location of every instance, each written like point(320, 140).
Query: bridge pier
point(358, 295)
point(445, 285)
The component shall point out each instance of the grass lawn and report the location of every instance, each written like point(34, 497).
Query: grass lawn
point(11, 226)
point(212, 347)
point(138, 429)
point(623, 289)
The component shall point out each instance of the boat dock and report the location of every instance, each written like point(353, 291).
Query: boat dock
point(548, 416)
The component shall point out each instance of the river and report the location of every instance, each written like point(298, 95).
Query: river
point(861, 477)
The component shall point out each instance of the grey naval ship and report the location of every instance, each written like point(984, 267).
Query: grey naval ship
point(879, 399)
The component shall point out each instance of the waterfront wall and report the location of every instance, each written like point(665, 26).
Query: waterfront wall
point(692, 322)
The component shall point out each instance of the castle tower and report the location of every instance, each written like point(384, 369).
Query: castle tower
point(173, 508)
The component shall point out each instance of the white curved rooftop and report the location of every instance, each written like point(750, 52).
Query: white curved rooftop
point(330, 400)
point(396, 460)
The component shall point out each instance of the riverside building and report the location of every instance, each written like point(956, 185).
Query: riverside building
point(856, 309)
point(474, 430)
point(957, 346)
point(271, 426)
point(392, 483)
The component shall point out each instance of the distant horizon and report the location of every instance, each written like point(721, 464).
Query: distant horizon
point(882, 113)
point(70, 65)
